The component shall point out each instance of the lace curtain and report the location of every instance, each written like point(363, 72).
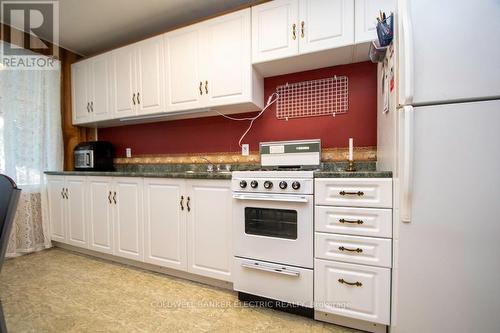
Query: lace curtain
point(30, 143)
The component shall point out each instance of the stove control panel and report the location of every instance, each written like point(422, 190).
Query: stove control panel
point(251, 183)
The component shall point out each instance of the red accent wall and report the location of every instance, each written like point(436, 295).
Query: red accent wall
point(216, 134)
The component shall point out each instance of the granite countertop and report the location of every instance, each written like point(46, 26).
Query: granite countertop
point(199, 171)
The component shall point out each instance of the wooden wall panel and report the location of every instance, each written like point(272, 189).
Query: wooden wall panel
point(72, 135)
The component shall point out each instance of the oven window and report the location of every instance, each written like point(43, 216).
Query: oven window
point(279, 223)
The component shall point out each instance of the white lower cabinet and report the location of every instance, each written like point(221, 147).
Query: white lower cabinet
point(128, 226)
point(355, 291)
point(100, 214)
point(75, 211)
point(209, 219)
point(165, 222)
point(174, 223)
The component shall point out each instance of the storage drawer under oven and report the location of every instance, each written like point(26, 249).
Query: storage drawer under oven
point(280, 282)
point(354, 192)
point(354, 249)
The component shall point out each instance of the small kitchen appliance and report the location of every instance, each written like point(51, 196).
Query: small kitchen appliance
point(273, 226)
point(93, 156)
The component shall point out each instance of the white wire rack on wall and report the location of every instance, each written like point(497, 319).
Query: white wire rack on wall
point(324, 97)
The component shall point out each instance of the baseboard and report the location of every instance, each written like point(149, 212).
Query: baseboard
point(146, 266)
point(350, 322)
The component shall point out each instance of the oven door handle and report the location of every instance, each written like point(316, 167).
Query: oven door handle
point(271, 197)
point(278, 270)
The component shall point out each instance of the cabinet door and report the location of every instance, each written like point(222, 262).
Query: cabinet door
point(100, 218)
point(275, 31)
point(184, 82)
point(100, 80)
point(227, 58)
point(79, 87)
point(325, 24)
point(366, 13)
point(355, 291)
point(209, 212)
point(128, 226)
point(124, 94)
point(76, 222)
point(57, 201)
point(150, 76)
point(165, 222)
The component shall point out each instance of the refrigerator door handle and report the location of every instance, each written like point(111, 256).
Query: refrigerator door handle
point(406, 54)
point(407, 186)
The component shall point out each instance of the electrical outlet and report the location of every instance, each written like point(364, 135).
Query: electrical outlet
point(128, 152)
point(245, 149)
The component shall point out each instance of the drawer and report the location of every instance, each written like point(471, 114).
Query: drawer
point(354, 221)
point(353, 249)
point(279, 282)
point(354, 192)
point(355, 291)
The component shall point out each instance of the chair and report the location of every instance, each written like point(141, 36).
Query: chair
point(9, 196)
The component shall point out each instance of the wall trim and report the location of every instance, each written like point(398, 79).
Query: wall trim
point(327, 155)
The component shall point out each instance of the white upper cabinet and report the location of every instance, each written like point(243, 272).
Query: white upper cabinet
point(150, 76)
point(123, 83)
point(366, 13)
point(184, 85)
point(286, 28)
point(79, 89)
point(208, 65)
point(228, 52)
point(325, 24)
point(100, 83)
point(139, 78)
point(275, 30)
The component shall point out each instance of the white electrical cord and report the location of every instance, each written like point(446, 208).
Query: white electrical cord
point(270, 101)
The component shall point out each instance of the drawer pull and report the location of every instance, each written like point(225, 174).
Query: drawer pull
point(351, 221)
point(359, 193)
point(341, 248)
point(357, 283)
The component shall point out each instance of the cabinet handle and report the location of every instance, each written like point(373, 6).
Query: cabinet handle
point(66, 193)
point(133, 98)
point(138, 100)
point(92, 106)
point(187, 204)
point(341, 248)
point(294, 32)
point(302, 29)
point(357, 283)
point(88, 106)
point(206, 87)
point(359, 193)
point(182, 200)
point(351, 221)
point(114, 197)
point(109, 197)
point(62, 192)
point(201, 86)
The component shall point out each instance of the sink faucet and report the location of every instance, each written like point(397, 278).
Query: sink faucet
point(210, 167)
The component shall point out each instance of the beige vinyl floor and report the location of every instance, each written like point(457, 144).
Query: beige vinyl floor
point(61, 291)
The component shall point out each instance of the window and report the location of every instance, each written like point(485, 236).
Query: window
point(30, 124)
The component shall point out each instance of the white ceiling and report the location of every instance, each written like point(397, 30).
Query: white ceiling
point(88, 27)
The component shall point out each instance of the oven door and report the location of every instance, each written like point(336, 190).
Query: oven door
point(277, 228)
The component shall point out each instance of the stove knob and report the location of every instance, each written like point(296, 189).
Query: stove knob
point(295, 185)
point(254, 184)
point(243, 184)
point(283, 185)
point(268, 185)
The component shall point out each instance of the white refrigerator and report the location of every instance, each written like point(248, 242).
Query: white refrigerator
point(440, 135)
